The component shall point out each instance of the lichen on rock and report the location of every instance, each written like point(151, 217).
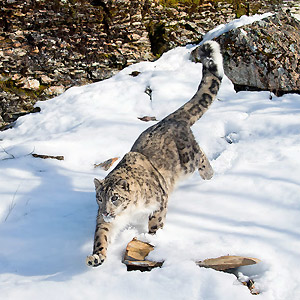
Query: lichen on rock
point(264, 55)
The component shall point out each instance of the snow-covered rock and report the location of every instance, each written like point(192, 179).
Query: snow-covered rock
point(264, 55)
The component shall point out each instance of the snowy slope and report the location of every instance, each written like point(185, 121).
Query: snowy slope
point(251, 206)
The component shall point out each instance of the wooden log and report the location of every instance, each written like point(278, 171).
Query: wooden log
point(135, 256)
point(224, 263)
point(137, 251)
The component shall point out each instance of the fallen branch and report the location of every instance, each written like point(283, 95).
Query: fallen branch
point(59, 157)
point(250, 285)
point(147, 118)
point(106, 164)
point(135, 73)
point(12, 204)
point(11, 155)
point(10, 209)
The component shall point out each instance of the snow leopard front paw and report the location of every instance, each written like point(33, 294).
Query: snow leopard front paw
point(95, 260)
point(206, 173)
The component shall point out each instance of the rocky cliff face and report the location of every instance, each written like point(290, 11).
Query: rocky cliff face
point(264, 55)
point(48, 46)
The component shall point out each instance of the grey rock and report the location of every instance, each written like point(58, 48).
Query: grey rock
point(264, 55)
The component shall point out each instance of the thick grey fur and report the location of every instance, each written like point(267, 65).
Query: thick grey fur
point(162, 154)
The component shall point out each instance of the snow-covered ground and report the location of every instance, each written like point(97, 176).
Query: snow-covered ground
point(251, 206)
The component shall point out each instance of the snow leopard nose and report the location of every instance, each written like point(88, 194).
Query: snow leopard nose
point(107, 217)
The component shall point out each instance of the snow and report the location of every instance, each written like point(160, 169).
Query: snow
point(250, 207)
point(243, 20)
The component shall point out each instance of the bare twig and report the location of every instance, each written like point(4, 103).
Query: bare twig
point(149, 91)
point(251, 286)
point(12, 204)
point(30, 152)
point(11, 155)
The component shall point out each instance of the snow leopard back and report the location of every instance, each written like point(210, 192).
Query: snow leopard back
point(170, 144)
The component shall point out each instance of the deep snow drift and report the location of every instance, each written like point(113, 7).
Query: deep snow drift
point(250, 207)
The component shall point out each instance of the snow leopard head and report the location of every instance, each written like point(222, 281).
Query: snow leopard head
point(112, 197)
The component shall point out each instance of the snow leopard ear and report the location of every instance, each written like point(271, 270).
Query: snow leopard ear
point(124, 184)
point(97, 183)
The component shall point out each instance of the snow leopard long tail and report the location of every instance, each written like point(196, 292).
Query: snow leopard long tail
point(212, 73)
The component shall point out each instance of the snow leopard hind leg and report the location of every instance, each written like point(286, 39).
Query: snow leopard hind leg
point(205, 169)
point(191, 156)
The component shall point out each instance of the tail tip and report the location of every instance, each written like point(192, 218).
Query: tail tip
point(210, 56)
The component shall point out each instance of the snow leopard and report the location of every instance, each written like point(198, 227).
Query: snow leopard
point(142, 181)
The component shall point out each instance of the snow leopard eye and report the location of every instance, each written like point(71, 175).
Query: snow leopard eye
point(115, 200)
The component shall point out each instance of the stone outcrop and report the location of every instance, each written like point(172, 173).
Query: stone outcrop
point(49, 46)
point(264, 55)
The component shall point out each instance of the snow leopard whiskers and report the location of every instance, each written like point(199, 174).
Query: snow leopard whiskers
point(162, 154)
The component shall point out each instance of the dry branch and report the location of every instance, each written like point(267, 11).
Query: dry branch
point(12, 204)
point(250, 285)
point(135, 73)
point(59, 157)
point(106, 164)
point(147, 118)
point(11, 155)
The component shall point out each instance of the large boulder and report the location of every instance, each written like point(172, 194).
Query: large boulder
point(264, 55)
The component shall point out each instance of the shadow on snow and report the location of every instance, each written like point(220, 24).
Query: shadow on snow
point(46, 231)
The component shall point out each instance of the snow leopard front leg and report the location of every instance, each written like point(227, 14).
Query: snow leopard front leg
point(157, 218)
point(101, 240)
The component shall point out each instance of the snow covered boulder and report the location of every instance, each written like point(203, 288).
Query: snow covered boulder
point(264, 55)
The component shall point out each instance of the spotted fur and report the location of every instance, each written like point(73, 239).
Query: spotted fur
point(162, 154)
